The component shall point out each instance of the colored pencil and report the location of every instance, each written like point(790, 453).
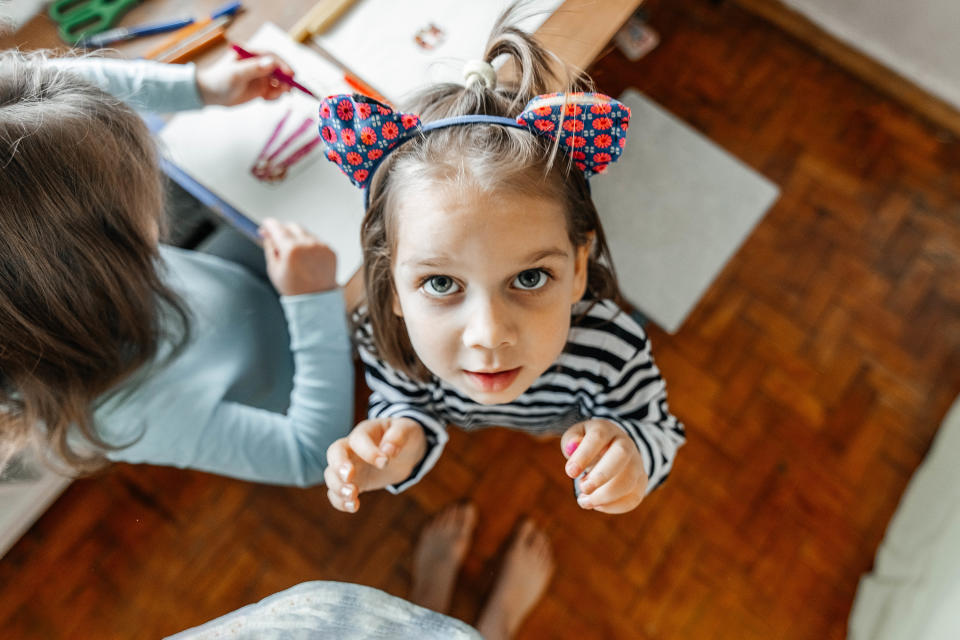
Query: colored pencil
point(129, 33)
point(279, 75)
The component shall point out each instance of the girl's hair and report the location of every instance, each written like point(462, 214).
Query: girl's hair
point(82, 305)
point(486, 158)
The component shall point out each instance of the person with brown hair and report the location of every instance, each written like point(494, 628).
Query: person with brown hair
point(116, 347)
point(490, 295)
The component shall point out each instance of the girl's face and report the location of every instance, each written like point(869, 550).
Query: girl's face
point(485, 284)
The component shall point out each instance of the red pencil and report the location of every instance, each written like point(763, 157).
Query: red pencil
point(279, 75)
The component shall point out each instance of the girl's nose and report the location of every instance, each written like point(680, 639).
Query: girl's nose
point(489, 325)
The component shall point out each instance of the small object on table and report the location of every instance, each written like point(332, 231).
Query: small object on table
point(321, 16)
point(243, 54)
point(190, 40)
point(122, 34)
point(79, 19)
point(636, 38)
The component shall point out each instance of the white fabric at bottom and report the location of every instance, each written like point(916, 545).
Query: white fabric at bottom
point(914, 589)
point(322, 609)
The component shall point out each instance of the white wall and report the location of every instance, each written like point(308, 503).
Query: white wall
point(916, 38)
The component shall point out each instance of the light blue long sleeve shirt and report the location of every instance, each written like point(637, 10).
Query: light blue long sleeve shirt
point(264, 384)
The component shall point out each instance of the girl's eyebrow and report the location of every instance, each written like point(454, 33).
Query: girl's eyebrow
point(426, 262)
point(440, 261)
point(552, 252)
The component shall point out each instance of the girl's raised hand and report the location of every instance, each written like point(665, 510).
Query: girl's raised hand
point(230, 81)
point(297, 262)
point(615, 481)
point(377, 453)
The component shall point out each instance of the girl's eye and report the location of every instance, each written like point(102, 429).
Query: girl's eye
point(440, 286)
point(531, 279)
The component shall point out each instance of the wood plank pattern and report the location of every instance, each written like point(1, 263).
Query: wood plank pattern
point(812, 378)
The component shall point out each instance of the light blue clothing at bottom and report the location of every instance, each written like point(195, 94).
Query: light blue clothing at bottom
point(329, 610)
point(259, 392)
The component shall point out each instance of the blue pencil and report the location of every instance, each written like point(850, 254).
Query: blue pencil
point(128, 33)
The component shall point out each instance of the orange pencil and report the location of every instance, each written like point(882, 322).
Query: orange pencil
point(362, 87)
point(202, 42)
point(181, 36)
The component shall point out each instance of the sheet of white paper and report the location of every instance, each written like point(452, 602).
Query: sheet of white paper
point(217, 146)
point(377, 39)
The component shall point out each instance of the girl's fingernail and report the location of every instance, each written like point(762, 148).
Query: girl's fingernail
point(571, 447)
point(344, 472)
point(389, 449)
point(573, 470)
point(346, 490)
point(350, 505)
point(584, 502)
point(381, 462)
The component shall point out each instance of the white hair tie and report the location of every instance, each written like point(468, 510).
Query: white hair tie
point(481, 69)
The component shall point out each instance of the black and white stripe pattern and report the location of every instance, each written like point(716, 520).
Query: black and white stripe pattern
point(605, 371)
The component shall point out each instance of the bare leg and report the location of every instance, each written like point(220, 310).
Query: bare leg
point(439, 553)
point(523, 579)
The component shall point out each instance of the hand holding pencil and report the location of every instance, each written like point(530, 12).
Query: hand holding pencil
point(230, 81)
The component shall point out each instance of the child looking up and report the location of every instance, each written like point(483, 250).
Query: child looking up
point(489, 292)
point(115, 347)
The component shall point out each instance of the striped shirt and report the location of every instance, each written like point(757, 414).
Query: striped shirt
point(605, 371)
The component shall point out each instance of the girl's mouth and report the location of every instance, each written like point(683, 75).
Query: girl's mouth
point(492, 382)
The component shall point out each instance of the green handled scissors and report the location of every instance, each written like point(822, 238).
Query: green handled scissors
point(78, 19)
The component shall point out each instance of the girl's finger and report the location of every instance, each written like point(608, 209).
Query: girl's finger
point(276, 231)
point(299, 230)
point(339, 462)
point(347, 505)
point(364, 441)
point(627, 503)
point(283, 66)
point(611, 463)
point(620, 485)
point(335, 484)
point(595, 440)
point(269, 248)
point(272, 93)
point(571, 438)
point(396, 436)
point(300, 233)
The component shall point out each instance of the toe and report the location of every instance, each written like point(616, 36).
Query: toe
point(469, 516)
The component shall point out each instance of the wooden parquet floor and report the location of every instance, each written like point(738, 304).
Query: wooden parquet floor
point(812, 378)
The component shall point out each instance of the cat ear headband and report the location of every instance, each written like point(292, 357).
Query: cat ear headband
point(360, 132)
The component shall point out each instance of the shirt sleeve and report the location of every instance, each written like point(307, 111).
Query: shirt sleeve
point(393, 394)
point(143, 84)
point(635, 399)
point(263, 446)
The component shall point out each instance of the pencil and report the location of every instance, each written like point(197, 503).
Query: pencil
point(279, 75)
point(182, 37)
point(355, 83)
point(362, 87)
point(195, 45)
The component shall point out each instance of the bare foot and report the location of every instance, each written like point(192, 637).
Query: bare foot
point(439, 553)
point(523, 578)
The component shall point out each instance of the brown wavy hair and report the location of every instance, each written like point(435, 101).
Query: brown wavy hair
point(487, 158)
point(83, 304)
